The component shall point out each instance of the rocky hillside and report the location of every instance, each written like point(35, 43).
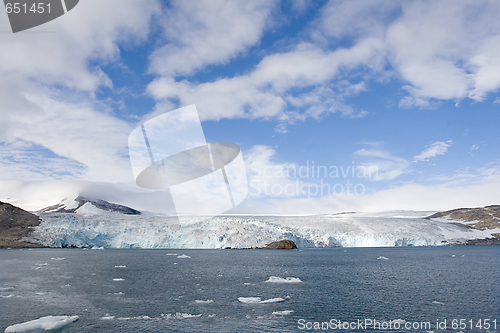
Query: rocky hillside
point(481, 218)
point(16, 223)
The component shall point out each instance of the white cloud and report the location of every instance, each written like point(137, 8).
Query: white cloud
point(268, 177)
point(208, 32)
point(437, 148)
point(446, 52)
point(265, 92)
point(381, 164)
point(47, 89)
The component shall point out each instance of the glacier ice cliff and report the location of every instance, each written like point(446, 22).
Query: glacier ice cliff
point(341, 230)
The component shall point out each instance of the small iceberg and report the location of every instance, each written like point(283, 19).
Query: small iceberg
point(180, 315)
point(282, 313)
point(172, 254)
point(273, 300)
point(277, 279)
point(437, 302)
point(382, 258)
point(108, 317)
point(208, 301)
point(121, 266)
point(183, 256)
point(118, 279)
point(45, 323)
point(44, 264)
point(249, 300)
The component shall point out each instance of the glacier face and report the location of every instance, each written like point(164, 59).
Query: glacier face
point(341, 230)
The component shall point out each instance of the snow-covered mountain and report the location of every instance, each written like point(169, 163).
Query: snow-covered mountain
point(82, 205)
point(116, 230)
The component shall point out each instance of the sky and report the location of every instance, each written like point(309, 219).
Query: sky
point(336, 105)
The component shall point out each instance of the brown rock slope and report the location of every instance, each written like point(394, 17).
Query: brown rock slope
point(282, 244)
point(15, 224)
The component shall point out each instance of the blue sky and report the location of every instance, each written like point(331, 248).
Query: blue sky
point(407, 88)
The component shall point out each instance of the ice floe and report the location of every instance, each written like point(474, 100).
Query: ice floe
point(277, 279)
point(44, 264)
point(172, 254)
point(272, 300)
point(208, 301)
point(382, 258)
point(250, 300)
point(282, 313)
point(45, 323)
point(437, 302)
point(121, 266)
point(118, 279)
point(108, 317)
point(183, 256)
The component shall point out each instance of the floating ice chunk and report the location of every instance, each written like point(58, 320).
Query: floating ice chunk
point(44, 264)
point(45, 323)
point(183, 256)
point(382, 258)
point(247, 283)
point(250, 300)
point(121, 266)
point(208, 301)
point(463, 255)
point(40, 293)
point(282, 313)
point(119, 293)
point(273, 300)
point(277, 279)
point(180, 315)
point(108, 317)
point(8, 296)
point(436, 302)
point(118, 279)
point(453, 256)
point(172, 254)
point(287, 297)
point(212, 315)
point(57, 259)
point(6, 289)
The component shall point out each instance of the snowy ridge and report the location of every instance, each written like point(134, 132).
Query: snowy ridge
point(346, 230)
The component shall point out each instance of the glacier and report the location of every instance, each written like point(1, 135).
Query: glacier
point(387, 229)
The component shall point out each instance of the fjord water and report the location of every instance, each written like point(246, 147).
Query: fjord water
point(416, 284)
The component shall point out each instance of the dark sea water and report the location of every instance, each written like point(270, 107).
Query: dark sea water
point(415, 284)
